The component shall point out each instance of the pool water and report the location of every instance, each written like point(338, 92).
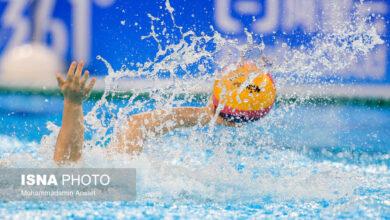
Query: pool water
point(314, 160)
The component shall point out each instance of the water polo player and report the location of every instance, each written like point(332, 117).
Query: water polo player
point(241, 102)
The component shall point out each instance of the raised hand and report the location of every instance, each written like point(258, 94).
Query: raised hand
point(74, 88)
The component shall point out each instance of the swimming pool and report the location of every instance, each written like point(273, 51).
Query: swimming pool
point(317, 159)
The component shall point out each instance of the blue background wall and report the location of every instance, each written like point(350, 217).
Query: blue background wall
point(83, 29)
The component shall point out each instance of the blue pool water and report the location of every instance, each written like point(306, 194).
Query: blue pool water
point(314, 160)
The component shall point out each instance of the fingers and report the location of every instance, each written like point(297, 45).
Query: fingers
point(84, 79)
point(224, 122)
point(210, 106)
point(90, 86)
point(60, 80)
point(75, 74)
point(70, 75)
point(78, 72)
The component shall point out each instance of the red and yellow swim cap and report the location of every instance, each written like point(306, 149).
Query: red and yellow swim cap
point(244, 99)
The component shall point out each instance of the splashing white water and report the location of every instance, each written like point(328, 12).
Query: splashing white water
point(214, 163)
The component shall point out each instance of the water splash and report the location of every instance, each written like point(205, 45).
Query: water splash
point(215, 164)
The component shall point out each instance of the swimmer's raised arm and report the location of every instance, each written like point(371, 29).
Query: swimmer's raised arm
point(141, 126)
point(159, 122)
point(71, 137)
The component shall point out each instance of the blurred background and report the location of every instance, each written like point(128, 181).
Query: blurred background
point(322, 151)
point(41, 37)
